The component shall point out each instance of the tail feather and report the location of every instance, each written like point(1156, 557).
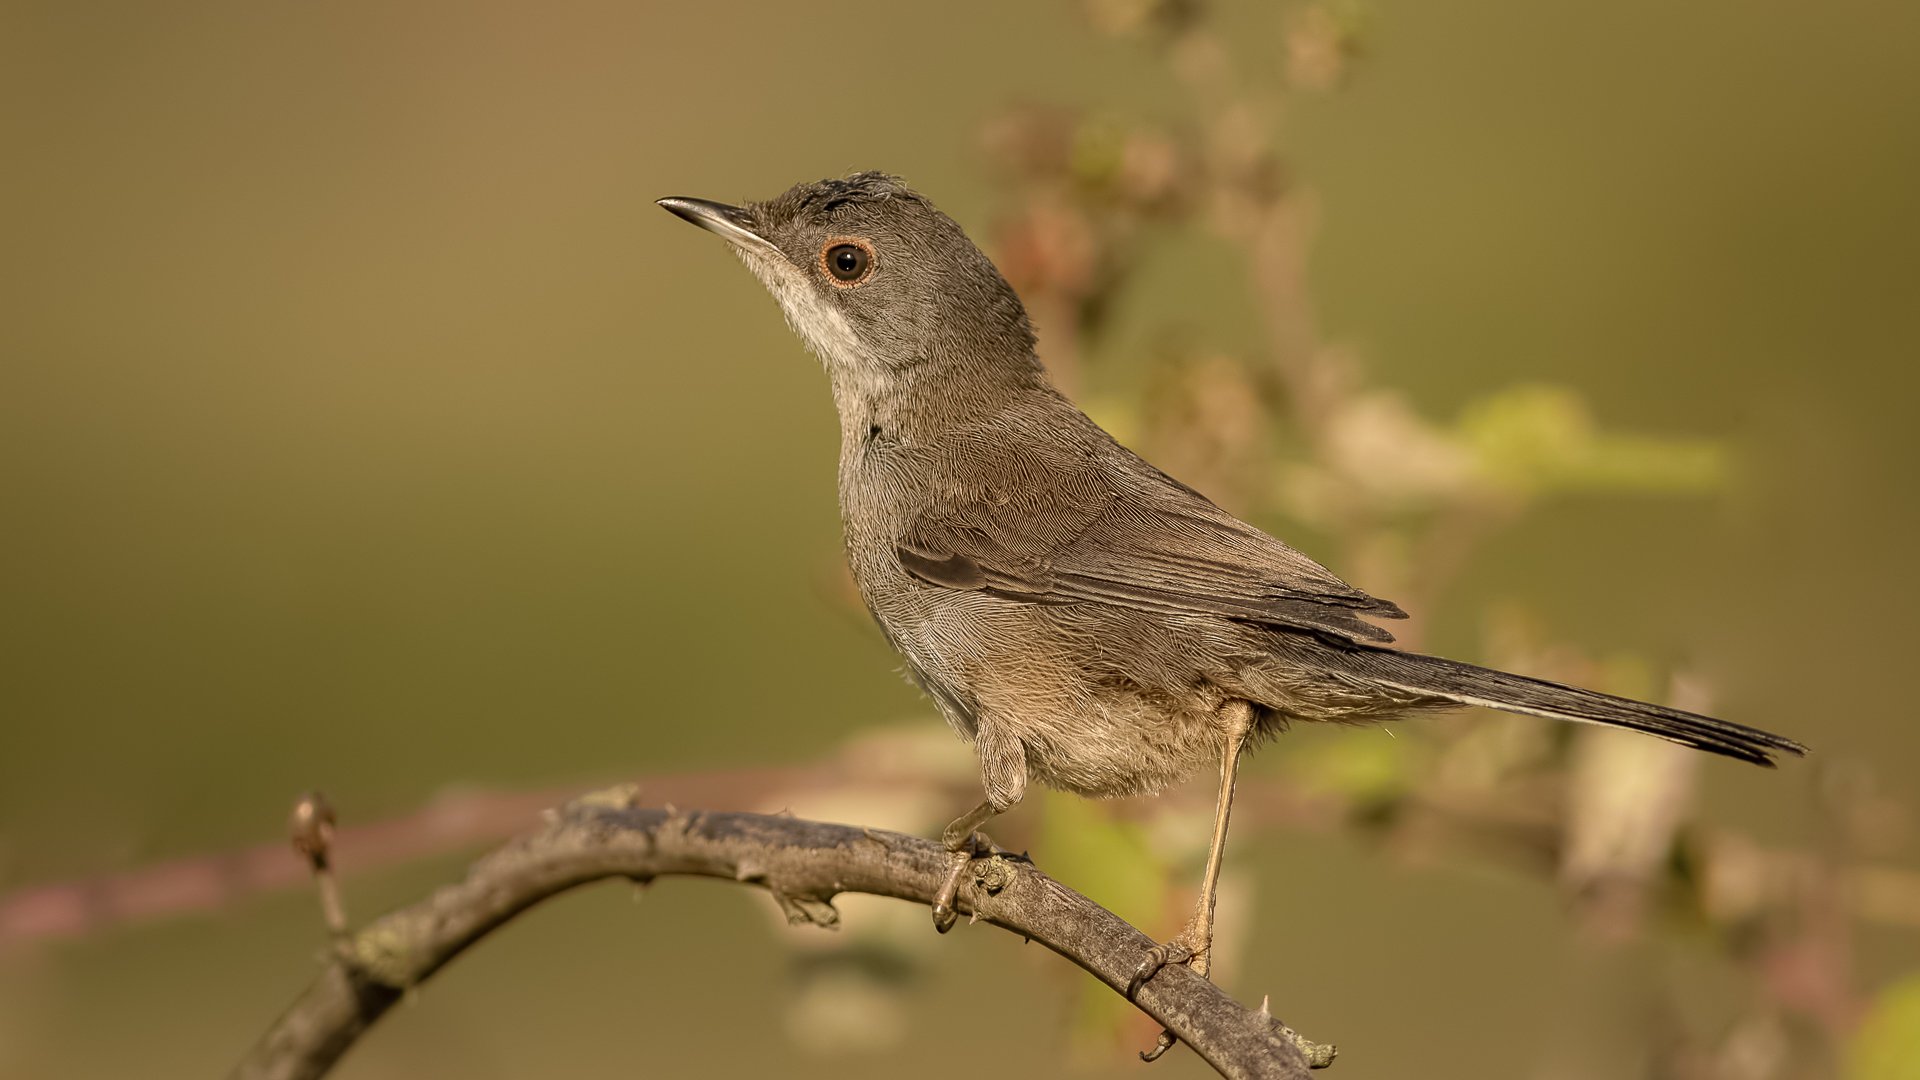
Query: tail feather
point(1470, 685)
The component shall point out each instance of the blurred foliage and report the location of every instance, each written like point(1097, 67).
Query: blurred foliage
point(1360, 767)
point(1539, 439)
point(1887, 1046)
point(1107, 859)
point(1295, 432)
point(1112, 861)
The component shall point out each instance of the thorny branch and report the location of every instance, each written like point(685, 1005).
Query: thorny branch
point(803, 864)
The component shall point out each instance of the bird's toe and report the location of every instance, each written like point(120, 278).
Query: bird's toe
point(1173, 952)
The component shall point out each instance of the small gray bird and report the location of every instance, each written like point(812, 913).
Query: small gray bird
point(1083, 619)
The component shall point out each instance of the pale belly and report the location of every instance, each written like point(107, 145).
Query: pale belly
point(1105, 702)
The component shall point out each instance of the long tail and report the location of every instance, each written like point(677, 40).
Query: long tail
point(1470, 685)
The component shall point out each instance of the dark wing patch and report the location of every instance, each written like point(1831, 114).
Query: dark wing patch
point(1132, 538)
point(953, 572)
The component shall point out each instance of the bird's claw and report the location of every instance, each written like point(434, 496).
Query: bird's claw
point(1160, 1046)
point(944, 916)
point(1173, 952)
point(945, 913)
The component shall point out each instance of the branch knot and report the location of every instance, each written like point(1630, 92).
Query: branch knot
point(802, 910)
point(383, 953)
point(994, 874)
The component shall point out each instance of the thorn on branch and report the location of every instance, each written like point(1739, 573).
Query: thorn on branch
point(1318, 1055)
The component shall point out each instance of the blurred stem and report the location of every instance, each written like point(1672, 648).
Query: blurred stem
point(330, 906)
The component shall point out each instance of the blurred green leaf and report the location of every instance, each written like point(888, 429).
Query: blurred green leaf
point(1887, 1046)
point(1098, 144)
point(1363, 764)
point(1107, 860)
point(1111, 863)
point(1537, 439)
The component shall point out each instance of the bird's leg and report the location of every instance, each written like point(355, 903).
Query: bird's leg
point(958, 839)
point(1193, 944)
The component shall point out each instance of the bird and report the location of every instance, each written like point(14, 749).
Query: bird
point(1086, 621)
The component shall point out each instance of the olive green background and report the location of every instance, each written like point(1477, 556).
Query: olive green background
point(364, 426)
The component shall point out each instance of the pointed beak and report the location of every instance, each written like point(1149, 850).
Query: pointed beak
point(732, 222)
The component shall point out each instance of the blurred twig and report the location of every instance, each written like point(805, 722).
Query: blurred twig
point(898, 779)
point(311, 830)
point(1294, 428)
point(803, 864)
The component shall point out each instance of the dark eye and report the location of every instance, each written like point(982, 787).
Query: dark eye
point(847, 262)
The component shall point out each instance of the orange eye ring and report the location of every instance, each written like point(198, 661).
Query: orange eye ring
point(847, 262)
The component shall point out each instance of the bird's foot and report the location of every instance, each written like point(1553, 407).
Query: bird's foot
point(1189, 948)
point(945, 914)
point(1160, 1046)
point(1181, 950)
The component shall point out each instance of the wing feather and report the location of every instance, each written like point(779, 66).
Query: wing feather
point(1131, 537)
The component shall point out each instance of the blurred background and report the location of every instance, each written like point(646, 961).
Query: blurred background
point(364, 427)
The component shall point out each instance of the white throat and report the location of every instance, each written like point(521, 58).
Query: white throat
point(856, 374)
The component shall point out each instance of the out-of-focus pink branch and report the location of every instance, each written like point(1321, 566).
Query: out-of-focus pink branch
point(873, 772)
point(210, 882)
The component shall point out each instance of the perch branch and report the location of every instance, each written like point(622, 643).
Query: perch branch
point(803, 864)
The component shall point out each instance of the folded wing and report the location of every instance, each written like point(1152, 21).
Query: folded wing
point(1122, 533)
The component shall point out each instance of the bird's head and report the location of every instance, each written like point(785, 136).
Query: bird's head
point(882, 286)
